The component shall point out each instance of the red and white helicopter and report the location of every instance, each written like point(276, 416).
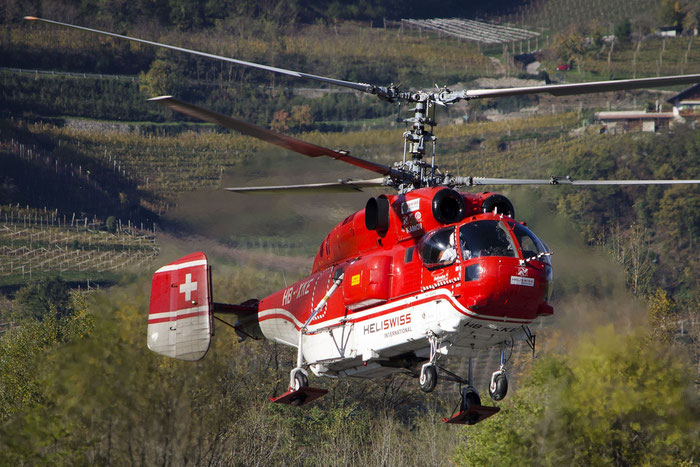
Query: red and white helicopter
point(403, 285)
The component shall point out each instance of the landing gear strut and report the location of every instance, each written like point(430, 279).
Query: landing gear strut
point(299, 392)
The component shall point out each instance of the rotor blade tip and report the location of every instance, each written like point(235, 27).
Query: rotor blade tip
point(31, 18)
point(160, 98)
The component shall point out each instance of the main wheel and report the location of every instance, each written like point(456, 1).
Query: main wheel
point(501, 388)
point(300, 380)
point(428, 378)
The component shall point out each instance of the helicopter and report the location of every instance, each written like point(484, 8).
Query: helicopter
point(416, 278)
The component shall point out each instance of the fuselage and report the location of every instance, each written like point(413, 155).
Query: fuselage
point(473, 278)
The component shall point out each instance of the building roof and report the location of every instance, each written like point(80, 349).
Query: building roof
point(633, 115)
point(692, 92)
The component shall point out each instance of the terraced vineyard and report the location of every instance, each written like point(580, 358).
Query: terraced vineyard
point(558, 15)
point(32, 247)
point(470, 30)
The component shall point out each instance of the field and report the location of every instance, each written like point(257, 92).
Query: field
point(559, 15)
point(35, 245)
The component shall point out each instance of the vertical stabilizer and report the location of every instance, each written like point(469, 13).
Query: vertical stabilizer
point(180, 314)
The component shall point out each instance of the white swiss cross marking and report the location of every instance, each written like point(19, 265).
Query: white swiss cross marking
point(188, 287)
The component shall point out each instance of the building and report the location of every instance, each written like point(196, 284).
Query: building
point(634, 120)
point(686, 108)
point(686, 105)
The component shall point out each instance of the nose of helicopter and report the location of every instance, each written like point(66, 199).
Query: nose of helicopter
point(507, 288)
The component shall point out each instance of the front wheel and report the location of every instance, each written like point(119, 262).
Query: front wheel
point(428, 378)
point(499, 388)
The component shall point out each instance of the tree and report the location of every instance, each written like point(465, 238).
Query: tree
point(163, 77)
point(670, 12)
point(280, 121)
point(661, 312)
point(616, 400)
point(40, 299)
point(570, 46)
point(300, 116)
point(623, 31)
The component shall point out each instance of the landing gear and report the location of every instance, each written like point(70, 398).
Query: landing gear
point(499, 382)
point(429, 372)
point(428, 377)
point(470, 401)
point(499, 386)
point(299, 392)
point(299, 382)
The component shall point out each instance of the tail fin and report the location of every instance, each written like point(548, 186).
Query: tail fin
point(180, 317)
point(180, 314)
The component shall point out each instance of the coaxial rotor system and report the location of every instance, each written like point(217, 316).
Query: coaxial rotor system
point(412, 171)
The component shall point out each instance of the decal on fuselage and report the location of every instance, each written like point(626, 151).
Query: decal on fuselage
point(411, 216)
point(390, 324)
point(296, 292)
point(518, 280)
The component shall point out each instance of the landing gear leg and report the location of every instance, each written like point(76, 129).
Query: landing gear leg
point(299, 392)
point(428, 372)
point(499, 382)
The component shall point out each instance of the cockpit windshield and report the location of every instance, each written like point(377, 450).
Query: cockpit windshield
point(530, 244)
point(485, 238)
point(478, 239)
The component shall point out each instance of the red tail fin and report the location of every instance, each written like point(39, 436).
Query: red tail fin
point(180, 315)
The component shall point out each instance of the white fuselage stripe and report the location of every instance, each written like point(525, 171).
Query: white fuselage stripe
point(175, 313)
point(405, 302)
point(177, 267)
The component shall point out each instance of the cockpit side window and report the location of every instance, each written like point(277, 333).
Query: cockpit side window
point(485, 238)
point(437, 248)
point(529, 243)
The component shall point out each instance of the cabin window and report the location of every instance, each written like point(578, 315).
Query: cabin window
point(408, 257)
point(485, 238)
point(437, 248)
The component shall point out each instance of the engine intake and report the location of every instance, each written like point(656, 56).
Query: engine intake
point(448, 206)
point(500, 204)
point(377, 214)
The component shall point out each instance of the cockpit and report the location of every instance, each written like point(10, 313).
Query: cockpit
point(480, 238)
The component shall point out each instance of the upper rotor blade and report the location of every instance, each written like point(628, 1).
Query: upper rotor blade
point(478, 181)
point(338, 82)
point(287, 142)
point(584, 88)
point(341, 186)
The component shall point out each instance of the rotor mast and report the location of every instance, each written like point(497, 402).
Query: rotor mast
point(419, 137)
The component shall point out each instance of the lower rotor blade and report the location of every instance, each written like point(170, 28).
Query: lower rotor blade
point(287, 142)
point(478, 181)
point(341, 186)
